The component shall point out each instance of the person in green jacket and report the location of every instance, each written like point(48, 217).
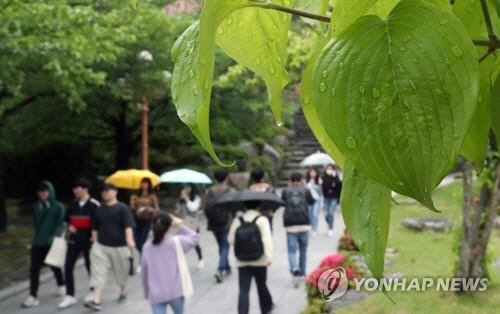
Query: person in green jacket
point(49, 222)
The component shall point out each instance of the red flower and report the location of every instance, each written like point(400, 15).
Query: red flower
point(332, 261)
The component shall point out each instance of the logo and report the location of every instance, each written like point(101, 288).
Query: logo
point(332, 283)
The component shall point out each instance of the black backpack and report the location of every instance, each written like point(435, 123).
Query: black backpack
point(248, 241)
point(296, 209)
point(217, 217)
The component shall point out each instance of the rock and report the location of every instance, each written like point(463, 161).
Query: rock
point(272, 156)
point(250, 148)
point(239, 180)
point(280, 140)
point(351, 297)
point(496, 223)
point(432, 223)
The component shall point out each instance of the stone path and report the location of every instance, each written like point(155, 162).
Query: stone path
point(209, 297)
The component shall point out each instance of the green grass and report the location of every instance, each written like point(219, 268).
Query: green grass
point(430, 254)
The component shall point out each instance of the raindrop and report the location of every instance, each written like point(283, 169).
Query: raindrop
point(402, 49)
point(406, 104)
point(272, 70)
point(457, 51)
point(438, 91)
point(367, 219)
point(407, 38)
point(334, 91)
point(196, 91)
point(220, 31)
point(376, 93)
point(400, 68)
point(322, 87)
point(400, 183)
point(443, 22)
point(191, 73)
point(307, 99)
point(412, 85)
point(259, 61)
point(229, 21)
point(341, 65)
point(362, 115)
point(279, 123)
point(351, 142)
point(205, 85)
point(447, 61)
point(362, 90)
point(324, 74)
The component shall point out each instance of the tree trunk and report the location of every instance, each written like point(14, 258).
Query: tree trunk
point(3, 207)
point(123, 140)
point(478, 217)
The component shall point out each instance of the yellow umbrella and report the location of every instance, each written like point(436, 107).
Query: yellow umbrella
point(131, 178)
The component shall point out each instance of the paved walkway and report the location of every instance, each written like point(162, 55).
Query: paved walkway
point(209, 297)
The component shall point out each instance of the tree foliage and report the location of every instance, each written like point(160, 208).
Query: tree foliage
point(393, 91)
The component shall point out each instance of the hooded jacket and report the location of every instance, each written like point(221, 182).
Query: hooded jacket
point(48, 218)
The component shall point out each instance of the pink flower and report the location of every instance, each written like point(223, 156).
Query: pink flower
point(332, 260)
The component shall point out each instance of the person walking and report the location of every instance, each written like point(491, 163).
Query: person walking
point(144, 205)
point(189, 208)
point(259, 185)
point(297, 199)
point(113, 240)
point(49, 222)
point(332, 186)
point(163, 264)
point(251, 237)
point(79, 215)
point(314, 185)
point(219, 221)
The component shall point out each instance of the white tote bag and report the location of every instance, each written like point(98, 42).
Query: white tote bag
point(57, 253)
point(186, 282)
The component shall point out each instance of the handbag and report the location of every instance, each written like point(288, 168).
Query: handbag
point(57, 253)
point(186, 282)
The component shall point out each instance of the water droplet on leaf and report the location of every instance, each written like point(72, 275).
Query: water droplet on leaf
point(443, 22)
point(322, 87)
point(376, 93)
point(334, 91)
point(229, 21)
point(220, 31)
point(362, 90)
point(412, 85)
point(457, 51)
point(324, 74)
point(351, 142)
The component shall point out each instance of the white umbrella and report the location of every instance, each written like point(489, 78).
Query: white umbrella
point(317, 159)
point(185, 176)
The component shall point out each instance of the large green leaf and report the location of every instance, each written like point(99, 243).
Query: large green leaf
point(397, 96)
point(495, 110)
point(476, 141)
point(366, 210)
point(310, 110)
point(257, 39)
point(194, 57)
point(345, 12)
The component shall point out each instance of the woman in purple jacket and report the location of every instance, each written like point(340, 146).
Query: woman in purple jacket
point(160, 272)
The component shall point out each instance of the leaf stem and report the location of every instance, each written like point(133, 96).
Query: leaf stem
point(274, 6)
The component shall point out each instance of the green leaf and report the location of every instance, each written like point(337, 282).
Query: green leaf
point(194, 57)
point(476, 141)
point(366, 210)
point(496, 4)
point(495, 110)
point(257, 39)
point(310, 110)
point(345, 12)
point(396, 96)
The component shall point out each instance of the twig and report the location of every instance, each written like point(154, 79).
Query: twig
point(486, 54)
point(269, 5)
point(482, 42)
point(487, 19)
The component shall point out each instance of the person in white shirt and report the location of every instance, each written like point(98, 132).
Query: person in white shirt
point(253, 267)
point(189, 209)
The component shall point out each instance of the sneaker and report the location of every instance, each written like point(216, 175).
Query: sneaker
point(61, 291)
point(201, 264)
point(67, 302)
point(89, 298)
point(122, 298)
point(138, 270)
point(296, 278)
point(313, 234)
point(218, 276)
point(330, 233)
point(228, 272)
point(92, 305)
point(30, 301)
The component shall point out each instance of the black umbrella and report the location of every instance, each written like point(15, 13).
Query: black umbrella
point(236, 200)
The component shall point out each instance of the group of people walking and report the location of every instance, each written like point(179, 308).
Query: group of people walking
point(106, 234)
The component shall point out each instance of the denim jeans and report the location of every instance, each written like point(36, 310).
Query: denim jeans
point(222, 242)
point(330, 205)
point(176, 304)
point(299, 239)
point(313, 214)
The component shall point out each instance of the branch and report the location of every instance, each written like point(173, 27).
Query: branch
point(269, 5)
point(487, 19)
